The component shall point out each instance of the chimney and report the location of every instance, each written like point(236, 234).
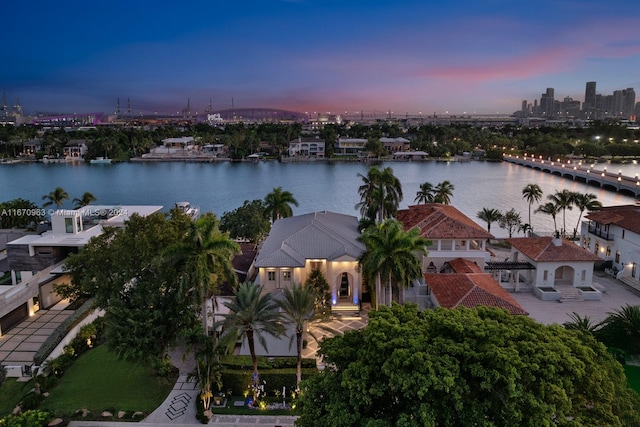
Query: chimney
point(557, 241)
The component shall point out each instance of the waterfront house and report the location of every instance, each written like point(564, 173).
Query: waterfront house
point(394, 145)
point(307, 147)
point(35, 260)
point(32, 146)
point(350, 146)
point(554, 262)
point(613, 234)
point(452, 235)
point(326, 241)
point(75, 149)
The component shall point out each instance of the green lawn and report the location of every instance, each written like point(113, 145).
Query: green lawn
point(11, 392)
point(98, 381)
point(633, 376)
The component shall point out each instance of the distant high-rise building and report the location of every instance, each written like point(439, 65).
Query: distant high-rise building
point(547, 103)
point(589, 105)
point(628, 105)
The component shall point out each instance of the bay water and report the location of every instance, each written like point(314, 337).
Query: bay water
point(317, 186)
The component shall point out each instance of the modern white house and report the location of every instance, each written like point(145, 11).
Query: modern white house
point(326, 241)
point(307, 147)
point(350, 146)
point(613, 234)
point(75, 149)
point(182, 145)
point(452, 235)
point(35, 260)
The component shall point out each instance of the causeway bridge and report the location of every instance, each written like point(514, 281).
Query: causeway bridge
point(577, 171)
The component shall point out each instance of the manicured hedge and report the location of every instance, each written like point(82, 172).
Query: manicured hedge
point(245, 362)
point(61, 331)
point(239, 381)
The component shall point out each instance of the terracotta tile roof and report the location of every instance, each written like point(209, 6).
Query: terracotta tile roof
point(627, 217)
point(464, 266)
point(438, 221)
point(471, 290)
point(542, 249)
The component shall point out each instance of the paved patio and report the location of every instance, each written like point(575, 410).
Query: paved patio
point(616, 295)
point(20, 344)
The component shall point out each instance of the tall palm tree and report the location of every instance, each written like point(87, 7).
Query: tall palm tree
point(489, 216)
point(380, 194)
point(392, 254)
point(251, 314)
point(56, 197)
point(278, 204)
point(582, 323)
point(297, 308)
point(85, 200)
point(552, 209)
point(563, 200)
point(425, 193)
point(532, 193)
point(585, 202)
point(204, 258)
point(443, 192)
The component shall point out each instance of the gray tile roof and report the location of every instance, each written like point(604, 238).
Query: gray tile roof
point(319, 235)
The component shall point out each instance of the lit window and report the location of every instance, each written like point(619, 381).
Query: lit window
point(617, 257)
point(608, 251)
point(286, 275)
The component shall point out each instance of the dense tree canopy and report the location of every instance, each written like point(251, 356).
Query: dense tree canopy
point(463, 367)
point(146, 308)
point(249, 221)
point(20, 213)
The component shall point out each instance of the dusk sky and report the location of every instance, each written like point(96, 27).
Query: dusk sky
point(305, 55)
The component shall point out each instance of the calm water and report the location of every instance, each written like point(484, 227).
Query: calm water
point(222, 187)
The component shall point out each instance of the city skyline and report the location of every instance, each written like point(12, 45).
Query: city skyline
point(307, 56)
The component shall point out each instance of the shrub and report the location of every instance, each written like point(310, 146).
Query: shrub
point(31, 401)
point(239, 381)
point(61, 331)
point(31, 418)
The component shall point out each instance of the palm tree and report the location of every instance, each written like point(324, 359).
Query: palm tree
point(56, 197)
point(621, 329)
point(392, 254)
point(297, 308)
point(425, 193)
point(585, 202)
point(85, 200)
point(250, 315)
point(582, 323)
point(204, 257)
point(380, 194)
point(552, 209)
point(532, 193)
point(278, 204)
point(563, 200)
point(443, 192)
point(489, 216)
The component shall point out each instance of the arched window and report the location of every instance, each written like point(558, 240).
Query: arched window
point(617, 257)
point(596, 246)
point(608, 251)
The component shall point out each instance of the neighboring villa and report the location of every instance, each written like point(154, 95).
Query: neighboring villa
point(32, 146)
point(35, 260)
point(307, 147)
point(613, 233)
point(322, 240)
point(350, 146)
point(549, 263)
point(75, 149)
point(452, 235)
point(395, 145)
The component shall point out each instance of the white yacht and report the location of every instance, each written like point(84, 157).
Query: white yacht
point(188, 209)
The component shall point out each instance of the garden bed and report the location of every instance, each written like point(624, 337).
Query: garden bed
point(547, 293)
point(590, 294)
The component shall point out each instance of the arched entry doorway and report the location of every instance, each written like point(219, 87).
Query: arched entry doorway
point(564, 276)
point(344, 287)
